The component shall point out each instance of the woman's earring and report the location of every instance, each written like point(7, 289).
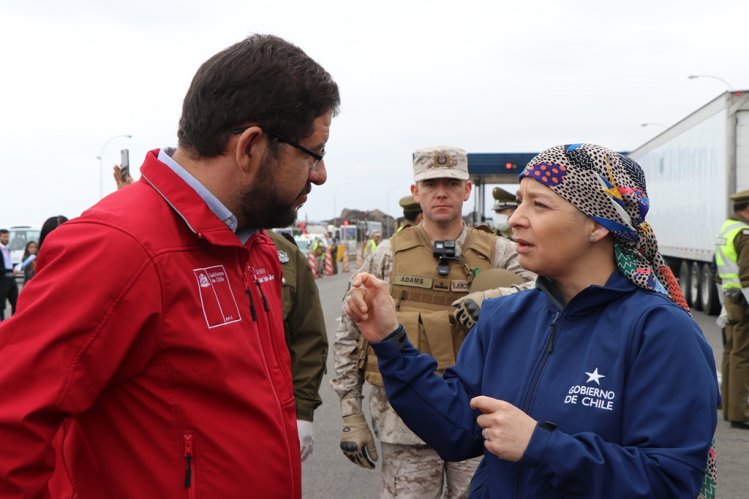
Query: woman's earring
point(592, 238)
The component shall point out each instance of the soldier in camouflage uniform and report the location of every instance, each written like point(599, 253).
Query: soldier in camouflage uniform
point(424, 295)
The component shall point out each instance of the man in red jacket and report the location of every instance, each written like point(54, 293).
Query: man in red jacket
point(166, 374)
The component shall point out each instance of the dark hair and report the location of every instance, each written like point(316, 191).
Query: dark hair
point(411, 215)
point(263, 80)
point(48, 226)
point(4, 231)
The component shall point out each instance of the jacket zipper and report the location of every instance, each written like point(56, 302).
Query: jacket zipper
point(534, 385)
point(189, 482)
point(248, 292)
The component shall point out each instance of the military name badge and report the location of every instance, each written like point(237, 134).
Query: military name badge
point(283, 257)
point(441, 285)
point(459, 286)
point(417, 281)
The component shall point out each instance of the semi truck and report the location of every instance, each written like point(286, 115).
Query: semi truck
point(691, 168)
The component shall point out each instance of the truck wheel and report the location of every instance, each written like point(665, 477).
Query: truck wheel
point(685, 281)
point(695, 285)
point(709, 291)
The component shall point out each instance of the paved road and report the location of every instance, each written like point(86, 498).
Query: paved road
point(329, 475)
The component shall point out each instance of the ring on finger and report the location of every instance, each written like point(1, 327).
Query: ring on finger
point(484, 434)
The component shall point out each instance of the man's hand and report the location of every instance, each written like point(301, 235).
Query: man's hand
point(118, 177)
point(357, 442)
point(506, 429)
point(370, 306)
point(467, 309)
point(306, 437)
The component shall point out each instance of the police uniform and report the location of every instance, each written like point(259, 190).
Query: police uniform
point(410, 207)
point(304, 326)
point(423, 296)
point(732, 259)
point(507, 202)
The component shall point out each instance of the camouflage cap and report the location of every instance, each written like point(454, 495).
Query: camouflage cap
point(409, 203)
point(740, 197)
point(503, 199)
point(440, 162)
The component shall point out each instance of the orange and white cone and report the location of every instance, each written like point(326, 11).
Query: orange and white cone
point(328, 262)
point(312, 262)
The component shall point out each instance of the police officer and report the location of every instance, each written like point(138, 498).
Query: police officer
point(304, 328)
point(428, 266)
point(412, 214)
point(732, 258)
point(504, 206)
point(372, 243)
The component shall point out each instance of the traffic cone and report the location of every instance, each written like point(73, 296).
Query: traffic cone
point(328, 262)
point(312, 262)
point(346, 267)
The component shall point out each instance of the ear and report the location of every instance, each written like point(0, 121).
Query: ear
point(467, 195)
point(249, 150)
point(599, 231)
point(415, 192)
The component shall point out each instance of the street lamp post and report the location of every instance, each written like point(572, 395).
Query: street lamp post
point(101, 160)
point(335, 195)
point(692, 77)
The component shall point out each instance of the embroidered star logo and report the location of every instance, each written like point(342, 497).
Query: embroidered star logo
point(594, 376)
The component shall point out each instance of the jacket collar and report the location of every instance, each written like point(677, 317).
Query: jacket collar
point(186, 202)
point(591, 297)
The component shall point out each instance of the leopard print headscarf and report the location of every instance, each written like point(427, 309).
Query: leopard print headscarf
point(610, 188)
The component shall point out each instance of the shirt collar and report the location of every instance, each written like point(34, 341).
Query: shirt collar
point(216, 206)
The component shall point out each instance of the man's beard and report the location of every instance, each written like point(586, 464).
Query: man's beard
point(260, 207)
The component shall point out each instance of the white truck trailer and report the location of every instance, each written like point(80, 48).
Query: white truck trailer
point(691, 168)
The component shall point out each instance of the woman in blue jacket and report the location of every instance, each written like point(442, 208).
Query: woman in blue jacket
point(598, 383)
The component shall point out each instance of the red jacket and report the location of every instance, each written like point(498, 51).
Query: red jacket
point(160, 337)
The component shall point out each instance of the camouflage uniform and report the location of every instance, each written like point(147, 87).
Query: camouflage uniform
point(406, 452)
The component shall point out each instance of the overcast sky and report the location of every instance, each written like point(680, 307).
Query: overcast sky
point(486, 76)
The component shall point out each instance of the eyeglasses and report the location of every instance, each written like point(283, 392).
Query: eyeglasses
point(317, 157)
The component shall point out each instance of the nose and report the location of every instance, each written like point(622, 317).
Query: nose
point(319, 174)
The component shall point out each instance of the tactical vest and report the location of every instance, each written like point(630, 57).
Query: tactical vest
point(423, 298)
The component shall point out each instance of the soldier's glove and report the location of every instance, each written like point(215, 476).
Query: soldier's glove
point(467, 309)
point(357, 442)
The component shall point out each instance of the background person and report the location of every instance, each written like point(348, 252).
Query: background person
point(732, 258)
point(28, 262)
point(8, 284)
point(372, 243)
point(412, 214)
point(571, 389)
point(505, 204)
point(424, 279)
point(48, 226)
point(158, 339)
